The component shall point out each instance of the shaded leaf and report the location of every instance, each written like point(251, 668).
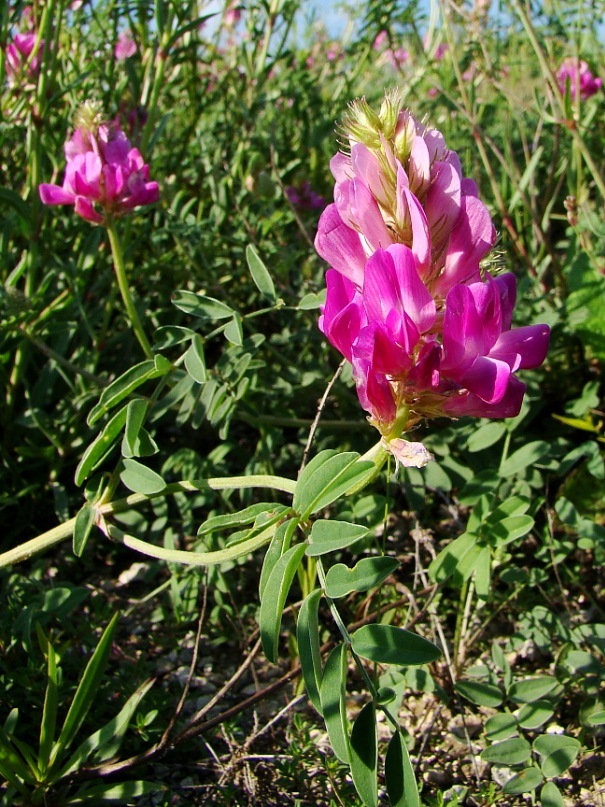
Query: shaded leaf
point(86, 691)
point(140, 479)
point(387, 644)
point(367, 573)
point(513, 751)
point(101, 446)
point(260, 274)
point(550, 796)
point(480, 693)
point(330, 536)
point(500, 727)
point(307, 634)
point(531, 689)
point(399, 774)
point(364, 755)
point(200, 306)
point(274, 598)
point(558, 752)
point(84, 523)
point(333, 701)
point(536, 714)
point(528, 779)
point(195, 361)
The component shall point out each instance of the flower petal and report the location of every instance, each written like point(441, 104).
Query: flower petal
point(55, 195)
point(340, 246)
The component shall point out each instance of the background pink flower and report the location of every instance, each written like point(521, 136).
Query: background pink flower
point(580, 78)
point(105, 177)
point(125, 46)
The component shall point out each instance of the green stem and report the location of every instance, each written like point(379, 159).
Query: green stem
point(65, 530)
point(191, 558)
point(344, 632)
point(118, 262)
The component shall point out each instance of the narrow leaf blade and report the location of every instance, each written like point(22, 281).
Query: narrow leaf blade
point(364, 755)
point(399, 774)
point(307, 635)
point(260, 273)
point(274, 598)
point(387, 644)
point(333, 701)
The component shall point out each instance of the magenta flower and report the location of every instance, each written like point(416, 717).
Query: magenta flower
point(125, 47)
point(408, 190)
point(24, 58)
point(427, 330)
point(104, 178)
point(581, 80)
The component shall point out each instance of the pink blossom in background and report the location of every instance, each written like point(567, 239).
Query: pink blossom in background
point(125, 46)
point(397, 58)
point(104, 178)
point(581, 80)
point(381, 40)
point(427, 330)
point(439, 51)
point(24, 58)
point(233, 15)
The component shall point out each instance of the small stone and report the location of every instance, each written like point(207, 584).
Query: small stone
point(460, 724)
point(438, 777)
point(501, 775)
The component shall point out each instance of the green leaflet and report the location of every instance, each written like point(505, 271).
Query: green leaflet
point(333, 701)
point(274, 598)
point(328, 476)
point(514, 751)
point(280, 543)
point(364, 755)
point(101, 446)
point(307, 635)
point(367, 573)
point(85, 692)
point(330, 536)
point(140, 479)
point(399, 774)
point(198, 305)
point(260, 274)
point(119, 389)
point(84, 523)
point(387, 644)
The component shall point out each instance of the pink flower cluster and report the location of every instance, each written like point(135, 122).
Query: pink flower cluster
point(104, 178)
point(426, 330)
point(581, 80)
point(24, 58)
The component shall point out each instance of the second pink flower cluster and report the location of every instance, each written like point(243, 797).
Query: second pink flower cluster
point(105, 176)
point(426, 329)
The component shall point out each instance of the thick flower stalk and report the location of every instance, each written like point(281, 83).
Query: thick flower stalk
point(426, 328)
point(105, 177)
point(581, 81)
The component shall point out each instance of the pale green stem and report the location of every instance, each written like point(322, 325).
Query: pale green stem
point(344, 632)
point(191, 558)
point(65, 530)
point(133, 315)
